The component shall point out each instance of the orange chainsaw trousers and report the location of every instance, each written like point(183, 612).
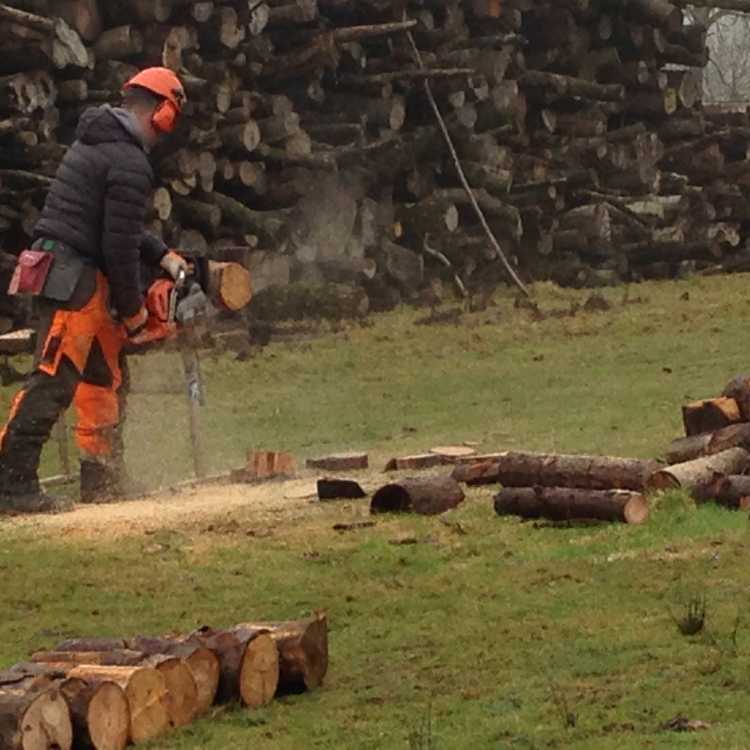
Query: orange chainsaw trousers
point(79, 360)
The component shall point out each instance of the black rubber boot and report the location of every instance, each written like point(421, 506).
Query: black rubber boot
point(28, 500)
point(99, 483)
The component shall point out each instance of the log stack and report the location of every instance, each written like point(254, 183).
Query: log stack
point(104, 693)
point(310, 152)
point(710, 461)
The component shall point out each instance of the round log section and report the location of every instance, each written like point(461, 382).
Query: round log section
point(425, 496)
point(229, 285)
point(249, 669)
point(182, 691)
point(34, 720)
point(303, 650)
point(563, 504)
point(100, 713)
point(259, 672)
point(146, 691)
point(203, 664)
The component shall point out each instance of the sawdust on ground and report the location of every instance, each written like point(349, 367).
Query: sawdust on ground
point(182, 507)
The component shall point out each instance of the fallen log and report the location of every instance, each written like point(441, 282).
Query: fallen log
point(34, 720)
point(710, 415)
point(416, 462)
point(426, 496)
point(518, 469)
point(302, 647)
point(731, 491)
point(709, 443)
point(339, 489)
point(564, 504)
point(693, 475)
point(340, 462)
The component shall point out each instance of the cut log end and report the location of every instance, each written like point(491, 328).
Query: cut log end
point(101, 715)
point(259, 673)
point(41, 721)
point(182, 691)
point(204, 665)
point(146, 691)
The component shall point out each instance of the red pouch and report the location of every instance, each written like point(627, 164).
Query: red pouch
point(30, 275)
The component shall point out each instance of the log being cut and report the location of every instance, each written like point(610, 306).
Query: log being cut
point(517, 469)
point(564, 504)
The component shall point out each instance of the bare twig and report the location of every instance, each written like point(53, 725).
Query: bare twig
point(440, 257)
point(462, 176)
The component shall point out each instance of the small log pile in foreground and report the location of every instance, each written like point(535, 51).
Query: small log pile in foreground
point(105, 693)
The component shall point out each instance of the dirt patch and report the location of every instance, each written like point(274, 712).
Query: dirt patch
point(268, 502)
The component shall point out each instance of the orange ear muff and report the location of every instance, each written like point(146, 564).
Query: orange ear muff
point(165, 117)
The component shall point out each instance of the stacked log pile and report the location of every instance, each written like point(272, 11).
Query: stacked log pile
point(105, 693)
point(310, 152)
point(710, 461)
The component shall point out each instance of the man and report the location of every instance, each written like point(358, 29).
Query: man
point(91, 304)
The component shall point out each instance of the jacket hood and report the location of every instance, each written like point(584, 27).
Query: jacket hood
point(108, 124)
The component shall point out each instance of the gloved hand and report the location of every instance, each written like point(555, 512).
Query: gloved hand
point(135, 326)
point(173, 263)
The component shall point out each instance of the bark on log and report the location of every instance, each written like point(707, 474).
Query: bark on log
point(425, 496)
point(710, 415)
point(739, 389)
point(416, 462)
point(340, 462)
point(692, 475)
point(34, 720)
point(202, 662)
point(563, 504)
point(302, 646)
point(519, 469)
point(731, 491)
point(330, 488)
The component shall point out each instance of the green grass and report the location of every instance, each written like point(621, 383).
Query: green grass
point(508, 634)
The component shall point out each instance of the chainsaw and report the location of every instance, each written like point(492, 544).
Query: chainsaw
point(178, 309)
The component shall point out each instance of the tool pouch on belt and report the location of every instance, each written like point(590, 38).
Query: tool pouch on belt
point(31, 272)
point(53, 271)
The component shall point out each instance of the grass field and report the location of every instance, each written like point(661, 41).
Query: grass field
point(479, 632)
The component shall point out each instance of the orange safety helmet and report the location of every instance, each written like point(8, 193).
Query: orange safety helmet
point(164, 83)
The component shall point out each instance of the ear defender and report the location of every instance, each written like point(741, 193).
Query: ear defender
point(165, 117)
point(165, 84)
